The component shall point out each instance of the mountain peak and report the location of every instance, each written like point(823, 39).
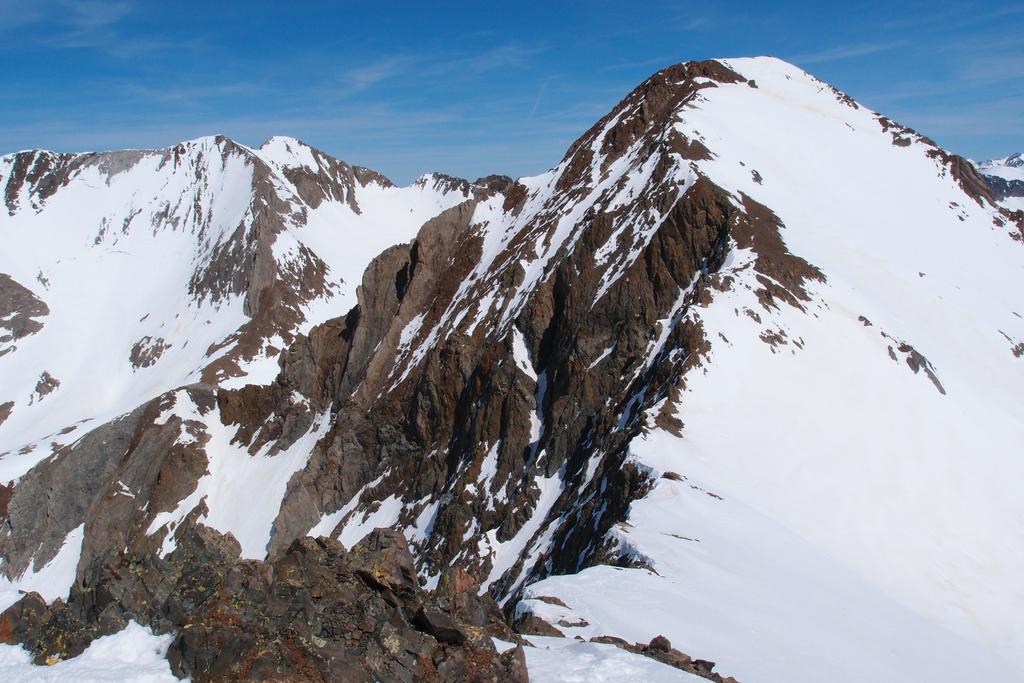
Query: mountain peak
point(698, 375)
point(291, 152)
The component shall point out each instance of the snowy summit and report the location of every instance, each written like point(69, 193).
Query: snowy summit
point(720, 396)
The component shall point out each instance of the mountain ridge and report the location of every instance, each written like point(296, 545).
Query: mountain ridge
point(500, 374)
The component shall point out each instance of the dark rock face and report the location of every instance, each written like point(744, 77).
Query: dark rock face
point(317, 613)
point(43, 173)
point(147, 351)
point(495, 183)
point(19, 310)
point(54, 497)
point(331, 179)
point(1002, 188)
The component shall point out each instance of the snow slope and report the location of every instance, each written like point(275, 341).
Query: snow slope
point(865, 523)
point(560, 660)
point(113, 254)
point(133, 655)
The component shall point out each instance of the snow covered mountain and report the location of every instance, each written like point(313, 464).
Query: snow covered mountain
point(167, 267)
point(726, 374)
point(1006, 179)
point(1008, 168)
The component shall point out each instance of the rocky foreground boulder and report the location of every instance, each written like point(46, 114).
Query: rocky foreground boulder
point(317, 613)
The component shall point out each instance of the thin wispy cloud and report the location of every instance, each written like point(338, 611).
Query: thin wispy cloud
point(846, 52)
point(91, 15)
point(437, 66)
point(509, 55)
point(196, 94)
point(699, 24)
point(368, 75)
point(96, 25)
point(86, 23)
point(997, 116)
point(536, 102)
point(643, 64)
point(17, 13)
point(952, 17)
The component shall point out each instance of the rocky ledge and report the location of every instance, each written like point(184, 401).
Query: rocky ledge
point(317, 613)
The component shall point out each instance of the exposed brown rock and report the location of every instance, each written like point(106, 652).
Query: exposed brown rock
point(43, 172)
point(550, 600)
point(917, 362)
point(46, 385)
point(147, 351)
point(331, 179)
point(914, 360)
point(532, 625)
point(311, 615)
point(19, 310)
point(23, 617)
point(783, 274)
point(965, 175)
point(660, 649)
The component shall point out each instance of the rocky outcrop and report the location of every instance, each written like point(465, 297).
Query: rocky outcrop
point(147, 351)
point(317, 613)
point(36, 176)
point(1003, 188)
point(660, 649)
point(116, 478)
point(46, 385)
point(19, 310)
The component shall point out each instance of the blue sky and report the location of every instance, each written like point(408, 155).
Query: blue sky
point(471, 88)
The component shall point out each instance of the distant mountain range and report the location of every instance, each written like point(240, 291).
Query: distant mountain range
point(1006, 179)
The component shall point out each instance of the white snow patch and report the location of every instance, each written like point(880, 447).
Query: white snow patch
point(522, 355)
point(232, 477)
point(359, 525)
point(132, 655)
point(330, 520)
point(504, 555)
point(54, 580)
point(562, 660)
